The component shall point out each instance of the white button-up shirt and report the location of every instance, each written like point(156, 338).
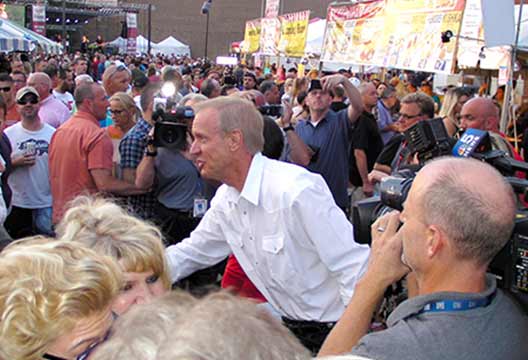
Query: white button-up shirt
point(288, 235)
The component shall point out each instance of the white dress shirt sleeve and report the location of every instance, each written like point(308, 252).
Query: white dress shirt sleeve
point(318, 220)
point(205, 247)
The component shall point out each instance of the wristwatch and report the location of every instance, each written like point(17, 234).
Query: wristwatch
point(151, 153)
point(288, 128)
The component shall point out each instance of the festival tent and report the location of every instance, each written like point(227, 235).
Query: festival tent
point(172, 46)
point(141, 44)
point(12, 42)
point(37, 40)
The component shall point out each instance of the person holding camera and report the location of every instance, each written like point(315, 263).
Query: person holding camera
point(167, 167)
point(415, 107)
point(321, 143)
point(451, 231)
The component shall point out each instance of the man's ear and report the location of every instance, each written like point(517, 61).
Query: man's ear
point(235, 139)
point(435, 241)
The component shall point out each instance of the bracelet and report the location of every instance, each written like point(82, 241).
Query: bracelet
point(151, 153)
point(288, 128)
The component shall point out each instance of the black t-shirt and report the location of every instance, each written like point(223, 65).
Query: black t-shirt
point(366, 137)
point(338, 106)
point(390, 150)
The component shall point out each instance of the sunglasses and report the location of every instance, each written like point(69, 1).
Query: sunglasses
point(116, 112)
point(5, 89)
point(118, 68)
point(31, 101)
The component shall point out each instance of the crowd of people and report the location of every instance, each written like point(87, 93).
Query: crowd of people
point(134, 187)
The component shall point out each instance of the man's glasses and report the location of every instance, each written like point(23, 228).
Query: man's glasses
point(5, 89)
point(31, 101)
point(409, 117)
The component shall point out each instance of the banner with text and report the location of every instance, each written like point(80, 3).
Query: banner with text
point(132, 33)
point(270, 36)
point(472, 51)
point(403, 34)
point(251, 42)
point(272, 8)
point(39, 19)
point(294, 28)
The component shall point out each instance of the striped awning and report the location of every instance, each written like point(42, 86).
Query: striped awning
point(22, 34)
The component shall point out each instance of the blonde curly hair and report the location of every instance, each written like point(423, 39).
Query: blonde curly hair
point(107, 228)
point(46, 287)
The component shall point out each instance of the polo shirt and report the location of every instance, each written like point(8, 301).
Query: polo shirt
point(330, 139)
point(77, 147)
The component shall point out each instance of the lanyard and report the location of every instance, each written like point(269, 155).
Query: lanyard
point(456, 305)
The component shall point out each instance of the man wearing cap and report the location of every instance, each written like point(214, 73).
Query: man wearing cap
point(29, 181)
point(52, 111)
point(139, 82)
point(321, 143)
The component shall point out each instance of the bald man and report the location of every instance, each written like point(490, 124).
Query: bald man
point(482, 113)
point(52, 110)
point(458, 311)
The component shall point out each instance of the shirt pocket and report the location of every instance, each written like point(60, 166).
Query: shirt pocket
point(278, 261)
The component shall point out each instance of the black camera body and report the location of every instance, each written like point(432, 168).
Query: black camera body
point(271, 110)
point(429, 139)
point(171, 127)
point(510, 265)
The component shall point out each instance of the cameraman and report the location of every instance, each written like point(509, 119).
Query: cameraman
point(176, 182)
point(451, 231)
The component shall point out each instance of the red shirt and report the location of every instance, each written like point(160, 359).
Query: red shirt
point(77, 147)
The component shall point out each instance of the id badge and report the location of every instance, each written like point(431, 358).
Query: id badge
point(200, 207)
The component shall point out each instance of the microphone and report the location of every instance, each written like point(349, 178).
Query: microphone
point(472, 141)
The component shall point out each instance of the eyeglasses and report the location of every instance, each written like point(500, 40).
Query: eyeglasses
point(31, 101)
point(5, 89)
point(409, 117)
point(116, 112)
point(85, 354)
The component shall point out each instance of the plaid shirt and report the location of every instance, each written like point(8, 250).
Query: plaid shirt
point(131, 149)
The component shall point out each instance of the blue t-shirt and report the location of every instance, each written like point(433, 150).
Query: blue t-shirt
point(330, 139)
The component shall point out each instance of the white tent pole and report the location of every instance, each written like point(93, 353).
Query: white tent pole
point(508, 93)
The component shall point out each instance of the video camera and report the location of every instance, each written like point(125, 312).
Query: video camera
point(271, 110)
point(171, 121)
point(510, 265)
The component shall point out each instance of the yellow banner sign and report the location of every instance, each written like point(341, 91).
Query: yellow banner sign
point(403, 34)
point(294, 28)
point(251, 37)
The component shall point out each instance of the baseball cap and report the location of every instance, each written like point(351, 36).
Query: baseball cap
point(26, 90)
point(315, 84)
point(139, 79)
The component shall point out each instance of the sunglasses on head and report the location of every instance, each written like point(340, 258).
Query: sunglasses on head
point(32, 101)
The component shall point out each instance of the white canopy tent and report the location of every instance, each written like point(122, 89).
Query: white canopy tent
point(171, 46)
point(141, 44)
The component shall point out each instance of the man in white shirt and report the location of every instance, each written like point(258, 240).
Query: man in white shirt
point(29, 181)
point(64, 87)
point(278, 219)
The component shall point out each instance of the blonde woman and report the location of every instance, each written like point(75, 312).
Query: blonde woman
point(454, 99)
point(125, 114)
point(134, 244)
point(55, 299)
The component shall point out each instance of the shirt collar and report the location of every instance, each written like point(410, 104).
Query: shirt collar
point(251, 189)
